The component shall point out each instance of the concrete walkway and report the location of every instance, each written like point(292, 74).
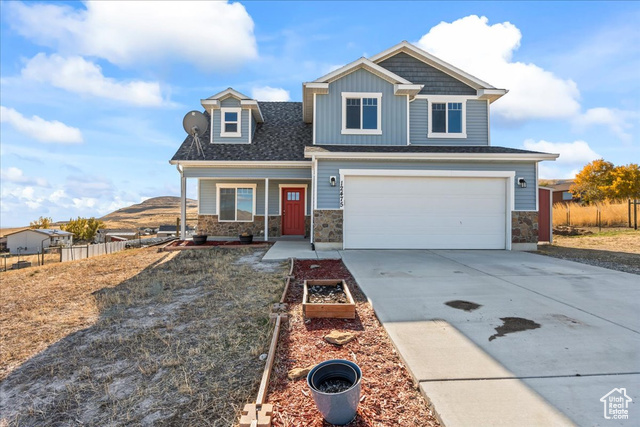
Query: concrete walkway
point(583, 341)
point(299, 249)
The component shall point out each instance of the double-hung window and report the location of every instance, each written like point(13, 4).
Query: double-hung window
point(236, 202)
point(230, 125)
point(447, 119)
point(361, 113)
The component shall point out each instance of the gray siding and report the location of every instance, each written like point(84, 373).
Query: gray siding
point(328, 125)
point(435, 81)
point(329, 197)
point(207, 195)
point(248, 172)
point(244, 123)
point(477, 130)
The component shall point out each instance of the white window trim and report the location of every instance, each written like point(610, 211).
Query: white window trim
point(236, 186)
point(446, 100)
point(281, 186)
point(223, 122)
point(345, 95)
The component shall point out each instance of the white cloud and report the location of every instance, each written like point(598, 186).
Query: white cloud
point(616, 120)
point(21, 204)
point(573, 156)
point(213, 35)
point(40, 129)
point(268, 93)
point(89, 187)
point(486, 52)
point(17, 176)
point(78, 75)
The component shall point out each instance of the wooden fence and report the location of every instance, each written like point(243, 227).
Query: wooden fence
point(88, 251)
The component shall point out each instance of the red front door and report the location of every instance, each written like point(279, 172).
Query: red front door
point(293, 211)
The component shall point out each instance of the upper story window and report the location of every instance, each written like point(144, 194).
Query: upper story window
point(447, 119)
point(361, 113)
point(231, 122)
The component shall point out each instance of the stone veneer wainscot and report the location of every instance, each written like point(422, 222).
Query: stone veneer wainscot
point(209, 224)
point(524, 227)
point(327, 226)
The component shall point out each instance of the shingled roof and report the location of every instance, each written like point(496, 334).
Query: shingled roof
point(282, 137)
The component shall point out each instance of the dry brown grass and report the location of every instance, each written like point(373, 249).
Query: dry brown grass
point(614, 249)
point(41, 305)
point(174, 342)
point(35, 260)
point(613, 214)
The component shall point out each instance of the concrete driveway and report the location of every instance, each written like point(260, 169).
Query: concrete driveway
point(586, 342)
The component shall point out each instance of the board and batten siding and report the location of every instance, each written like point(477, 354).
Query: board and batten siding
point(207, 195)
point(329, 197)
point(328, 120)
point(477, 130)
point(245, 116)
point(417, 72)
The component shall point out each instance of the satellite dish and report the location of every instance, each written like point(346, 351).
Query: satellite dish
point(195, 124)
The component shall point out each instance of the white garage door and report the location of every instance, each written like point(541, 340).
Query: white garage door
point(386, 212)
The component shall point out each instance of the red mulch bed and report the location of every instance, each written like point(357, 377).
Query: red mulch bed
point(388, 396)
point(209, 243)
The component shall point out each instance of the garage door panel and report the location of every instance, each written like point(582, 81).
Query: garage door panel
point(424, 213)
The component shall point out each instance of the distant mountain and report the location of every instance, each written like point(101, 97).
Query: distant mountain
point(151, 213)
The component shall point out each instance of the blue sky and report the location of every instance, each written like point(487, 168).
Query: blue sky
point(93, 94)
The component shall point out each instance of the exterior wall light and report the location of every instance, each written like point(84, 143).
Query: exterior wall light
point(522, 183)
point(332, 181)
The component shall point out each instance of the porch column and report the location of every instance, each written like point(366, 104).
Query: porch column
point(266, 209)
point(183, 206)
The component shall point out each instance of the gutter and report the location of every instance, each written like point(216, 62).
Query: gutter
point(433, 156)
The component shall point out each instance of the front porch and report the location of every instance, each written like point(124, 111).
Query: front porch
point(267, 202)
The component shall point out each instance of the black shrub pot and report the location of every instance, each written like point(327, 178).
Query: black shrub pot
point(199, 239)
point(245, 240)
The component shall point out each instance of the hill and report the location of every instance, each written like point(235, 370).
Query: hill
point(151, 213)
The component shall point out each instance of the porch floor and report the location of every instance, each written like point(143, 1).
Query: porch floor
point(299, 248)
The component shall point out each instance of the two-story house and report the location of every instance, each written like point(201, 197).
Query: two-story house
point(389, 152)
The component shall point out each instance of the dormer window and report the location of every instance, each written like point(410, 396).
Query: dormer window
point(231, 122)
point(447, 118)
point(361, 113)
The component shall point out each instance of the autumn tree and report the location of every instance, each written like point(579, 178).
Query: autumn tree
point(84, 228)
point(625, 182)
point(592, 181)
point(42, 222)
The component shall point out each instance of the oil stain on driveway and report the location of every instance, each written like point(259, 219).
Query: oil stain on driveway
point(568, 332)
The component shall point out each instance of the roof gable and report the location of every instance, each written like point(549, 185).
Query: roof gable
point(433, 61)
point(214, 101)
point(366, 64)
point(434, 81)
point(227, 93)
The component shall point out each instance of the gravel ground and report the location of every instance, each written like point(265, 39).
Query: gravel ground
point(616, 250)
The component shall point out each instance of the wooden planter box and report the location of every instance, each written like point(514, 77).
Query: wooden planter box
point(328, 310)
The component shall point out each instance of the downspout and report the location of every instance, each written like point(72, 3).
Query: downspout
point(314, 184)
point(183, 201)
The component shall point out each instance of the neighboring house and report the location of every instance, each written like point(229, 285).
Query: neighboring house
point(392, 152)
point(167, 231)
point(171, 231)
point(116, 235)
point(32, 240)
point(561, 192)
